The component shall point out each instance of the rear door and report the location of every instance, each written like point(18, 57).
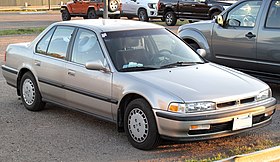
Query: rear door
point(88, 90)
point(268, 41)
point(235, 44)
point(193, 8)
point(50, 62)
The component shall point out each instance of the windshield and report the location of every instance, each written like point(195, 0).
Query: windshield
point(148, 50)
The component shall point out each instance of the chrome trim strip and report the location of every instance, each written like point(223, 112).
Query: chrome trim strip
point(77, 90)
point(9, 69)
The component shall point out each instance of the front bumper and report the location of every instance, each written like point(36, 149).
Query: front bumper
point(175, 126)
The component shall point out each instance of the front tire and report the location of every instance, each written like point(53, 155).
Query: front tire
point(30, 94)
point(92, 14)
point(140, 125)
point(65, 15)
point(142, 15)
point(170, 18)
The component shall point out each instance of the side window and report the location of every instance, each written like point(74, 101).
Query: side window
point(44, 42)
point(60, 41)
point(273, 20)
point(244, 15)
point(86, 47)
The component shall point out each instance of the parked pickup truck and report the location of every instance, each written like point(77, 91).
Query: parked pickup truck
point(246, 37)
point(171, 10)
point(89, 9)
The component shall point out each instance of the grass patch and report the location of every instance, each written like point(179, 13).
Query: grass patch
point(21, 31)
point(179, 22)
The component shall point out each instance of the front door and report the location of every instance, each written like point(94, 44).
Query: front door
point(88, 90)
point(268, 44)
point(235, 44)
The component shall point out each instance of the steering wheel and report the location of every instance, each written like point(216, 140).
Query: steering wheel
point(162, 57)
point(249, 20)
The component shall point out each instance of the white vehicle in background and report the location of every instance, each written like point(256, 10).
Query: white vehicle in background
point(143, 9)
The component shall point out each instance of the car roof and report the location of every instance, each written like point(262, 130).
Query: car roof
point(107, 25)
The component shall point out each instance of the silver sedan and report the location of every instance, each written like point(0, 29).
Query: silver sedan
point(141, 77)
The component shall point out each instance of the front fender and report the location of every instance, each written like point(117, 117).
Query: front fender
point(196, 36)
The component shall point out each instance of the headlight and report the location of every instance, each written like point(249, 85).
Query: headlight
point(192, 107)
point(152, 5)
point(264, 95)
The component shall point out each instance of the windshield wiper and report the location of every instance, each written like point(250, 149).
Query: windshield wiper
point(181, 63)
point(137, 68)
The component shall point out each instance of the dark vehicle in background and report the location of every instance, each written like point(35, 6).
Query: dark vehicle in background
point(171, 10)
point(89, 9)
point(246, 37)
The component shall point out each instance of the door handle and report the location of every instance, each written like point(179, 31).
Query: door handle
point(250, 35)
point(71, 72)
point(37, 63)
point(193, 5)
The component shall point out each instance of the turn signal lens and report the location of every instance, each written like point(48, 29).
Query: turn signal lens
point(199, 127)
point(177, 107)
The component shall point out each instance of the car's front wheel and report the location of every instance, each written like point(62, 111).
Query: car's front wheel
point(140, 125)
point(65, 15)
point(30, 94)
point(142, 15)
point(170, 18)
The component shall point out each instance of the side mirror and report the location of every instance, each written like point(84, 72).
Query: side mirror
point(201, 52)
point(219, 20)
point(233, 22)
point(96, 65)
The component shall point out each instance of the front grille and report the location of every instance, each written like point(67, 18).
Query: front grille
point(247, 100)
point(226, 104)
point(235, 102)
point(227, 126)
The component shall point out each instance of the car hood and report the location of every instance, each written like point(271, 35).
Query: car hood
point(202, 82)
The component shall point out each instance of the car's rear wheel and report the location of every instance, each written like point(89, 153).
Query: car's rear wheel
point(170, 18)
point(92, 14)
point(65, 15)
point(140, 125)
point(113, 5)
point(142, 15)
point(30, 94)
